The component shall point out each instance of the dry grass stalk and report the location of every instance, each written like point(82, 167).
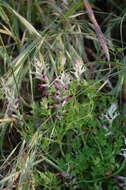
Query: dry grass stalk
point(97, 28)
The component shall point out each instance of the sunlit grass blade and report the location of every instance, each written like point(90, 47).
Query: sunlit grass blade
point(29, 26)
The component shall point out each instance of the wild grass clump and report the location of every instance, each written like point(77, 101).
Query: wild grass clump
point(62, 96)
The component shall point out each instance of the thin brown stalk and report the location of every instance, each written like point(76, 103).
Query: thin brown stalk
point(97, 28)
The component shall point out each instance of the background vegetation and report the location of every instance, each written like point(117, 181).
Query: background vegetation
point(63, 102)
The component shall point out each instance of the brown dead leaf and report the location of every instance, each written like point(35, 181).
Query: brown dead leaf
point(108, 173)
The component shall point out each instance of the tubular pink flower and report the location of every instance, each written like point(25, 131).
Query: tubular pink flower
point(58, 116)
point(42, 85)
point(44, 77)
point(66, 98)
point(120, 177)
point(57, 95)
point(56, 105)
point(122, 184)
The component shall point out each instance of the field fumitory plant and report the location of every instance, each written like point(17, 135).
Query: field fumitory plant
point(62, 95)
